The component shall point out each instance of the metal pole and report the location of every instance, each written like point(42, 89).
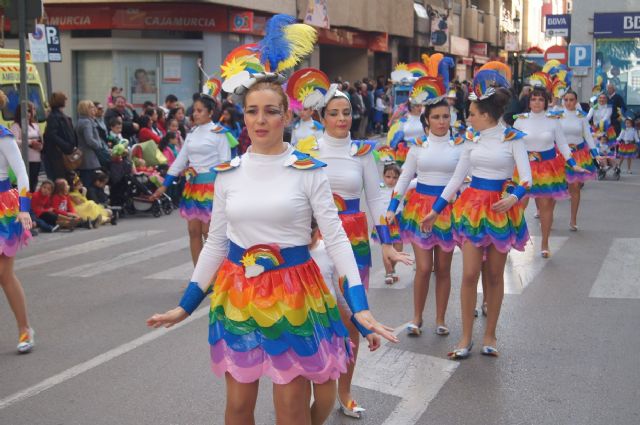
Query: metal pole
point(24, 99)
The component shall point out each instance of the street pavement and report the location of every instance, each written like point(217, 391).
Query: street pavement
point(568, 333)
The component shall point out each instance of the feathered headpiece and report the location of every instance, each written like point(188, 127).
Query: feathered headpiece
point(311, 88)
point(284, 45)
point(402, 75)
point(212, 85)
point(427, 91)
point(492, 75)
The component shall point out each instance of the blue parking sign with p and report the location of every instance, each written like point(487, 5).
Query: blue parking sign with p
point(580, 55)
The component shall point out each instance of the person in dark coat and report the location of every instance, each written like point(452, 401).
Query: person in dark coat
point(59, 138)
point(128, 115)
point(617, 107)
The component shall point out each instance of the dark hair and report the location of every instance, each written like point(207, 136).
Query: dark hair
point(114, 121)
point(47, 182)
point(144, 121)
point(232, 115)
point(164, 142)
point(147, 104)
point(208, 102)
point(100, 176)
point(538, 91)
point(571, 92)
point(324, 108)
point(139, 71)
point(150, 111)
point(391, 167)
point(429, 108)
point(17, 116)
point(57, 100)
point(494, 105)
point(314, 225)
point(171, 98)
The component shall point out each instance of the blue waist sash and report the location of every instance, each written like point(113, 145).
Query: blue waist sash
point(293, 256)
point(487, 184)
point(578, 147)
point(5, 185)
point(353, 206)
point(545, 155)
point(425, 189)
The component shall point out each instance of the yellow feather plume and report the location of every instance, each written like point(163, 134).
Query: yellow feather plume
point(302, 38)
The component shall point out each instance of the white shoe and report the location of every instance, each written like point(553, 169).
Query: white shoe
point(26, 342)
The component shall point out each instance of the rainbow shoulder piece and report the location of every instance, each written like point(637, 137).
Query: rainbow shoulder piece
point(457, 140)
point(362, 147)
point(511, 134)
point(556, 115)
point(229, 165)
point(471, 135)
point(581, 113)
point(302, 161)
point(521, 116)
point(5, 132)
point(219, 129)
point(318, 126)
point(416, 141)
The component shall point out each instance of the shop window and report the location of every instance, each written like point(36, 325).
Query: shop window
point(13, 95)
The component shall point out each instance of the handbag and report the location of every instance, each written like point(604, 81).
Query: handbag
point(73, 160)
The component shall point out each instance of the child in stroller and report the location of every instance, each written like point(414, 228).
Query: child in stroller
point(609, 151)
point(148, 174)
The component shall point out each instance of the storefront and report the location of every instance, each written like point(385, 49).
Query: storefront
point(460, 51)
point(617, 57)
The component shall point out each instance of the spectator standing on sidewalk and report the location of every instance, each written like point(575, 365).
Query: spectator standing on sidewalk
point(125, 111)
point(89, 141)
point(59, 137)
point(35, 142)
point(367, 106)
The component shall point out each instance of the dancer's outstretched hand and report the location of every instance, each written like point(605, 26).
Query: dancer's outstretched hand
point(366, 319)
point(427, 223)
point(579, 169)
point(374, 341)
point(391, 217)
point(504, 204)
point(167, 319)
point(390, 253)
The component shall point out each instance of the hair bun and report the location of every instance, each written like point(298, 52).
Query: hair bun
point(501, 98)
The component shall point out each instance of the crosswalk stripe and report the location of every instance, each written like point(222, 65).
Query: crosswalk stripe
point(124, 259)
point(619, 274)
point(181, 272)
point(81, 248)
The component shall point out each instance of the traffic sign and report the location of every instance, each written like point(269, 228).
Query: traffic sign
point(556, 52)
point(580, 55)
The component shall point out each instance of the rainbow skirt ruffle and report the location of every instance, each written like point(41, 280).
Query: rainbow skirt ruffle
point(627, 150)
point(548, 175)
point(416, 209)
point(13, 236)
point(197, 197)
point(474, 220)
point(582, 154)
point(282, 323)
point(354, 223)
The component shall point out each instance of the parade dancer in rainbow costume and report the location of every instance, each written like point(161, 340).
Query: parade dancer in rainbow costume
point(434, 162)
point(600, 117)
point(544, 133)
point(488, 217)
point(206, 145)
point(351, 169)
point(271, 312)
point(628, 143)
point(583, 148)
point(15, 223)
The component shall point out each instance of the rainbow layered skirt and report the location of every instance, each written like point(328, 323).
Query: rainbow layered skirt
point(12, 235)
point(548, 175)
point(197, 197)
point(281, 323)
point(354, 223)
point(582, 154)
point(474, 221)
point(416, 209)
point(627, 150)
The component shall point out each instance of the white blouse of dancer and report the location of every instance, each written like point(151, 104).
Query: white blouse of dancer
point(204, 147)
point(490, 157)
point(349, 174)
point(576, 128)
point(629, 135)
point(412, 127)
point(434, 162)
point(303, 129)
point(11, 157)
point(543, 133)
point(266, 201)
point(600, 113)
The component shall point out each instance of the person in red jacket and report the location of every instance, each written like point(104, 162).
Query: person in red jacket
point(63, 206)
point(146, 131)
point(42, 208)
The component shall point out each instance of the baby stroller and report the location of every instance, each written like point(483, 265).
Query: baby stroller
point(612, 166)
point(140, 189)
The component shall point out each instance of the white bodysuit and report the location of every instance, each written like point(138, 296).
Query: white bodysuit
point(203, 148)
point(543, 133)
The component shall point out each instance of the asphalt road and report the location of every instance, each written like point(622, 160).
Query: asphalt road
point(568, 333)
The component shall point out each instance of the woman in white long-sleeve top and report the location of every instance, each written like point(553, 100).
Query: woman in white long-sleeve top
point(488, 217)
point(15, 223)
point(583, 148)
point(549, 182)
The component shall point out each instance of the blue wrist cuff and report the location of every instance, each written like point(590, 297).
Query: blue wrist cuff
point(25, 204)
point(519, 192)
point(356, 297)
point(191, 298)
point(439, 205)
point(571, 162)
point(594, 152)
point(168, 180)
point(384, 235)
point(363, 331)
point(393, 205)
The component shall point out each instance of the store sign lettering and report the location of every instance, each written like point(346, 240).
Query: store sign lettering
point(157, 21)
point(616, 25)
point(631, 22)
point(69, 20)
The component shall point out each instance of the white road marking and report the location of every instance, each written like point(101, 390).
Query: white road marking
point(82, 248)
point(619, 275)
point(95, 362)
point(124, 259)
point(413, 377)
point(181, 272)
